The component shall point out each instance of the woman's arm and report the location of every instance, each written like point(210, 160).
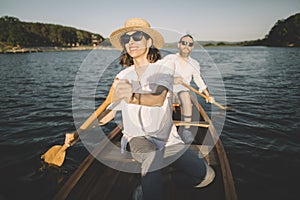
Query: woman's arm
point(122, 89)
point(106, 117)
point(153, 99)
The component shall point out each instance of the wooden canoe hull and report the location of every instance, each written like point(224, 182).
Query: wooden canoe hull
point(94, 180)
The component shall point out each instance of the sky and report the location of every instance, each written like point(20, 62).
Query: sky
point(217, 20)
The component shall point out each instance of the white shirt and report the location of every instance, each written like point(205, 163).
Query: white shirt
point(153, 122)
point(187, 72)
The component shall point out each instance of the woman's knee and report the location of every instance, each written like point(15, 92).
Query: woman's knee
point(141, 145)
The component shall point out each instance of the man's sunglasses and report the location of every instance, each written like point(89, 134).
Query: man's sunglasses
point(190, 44)
point(136, 36)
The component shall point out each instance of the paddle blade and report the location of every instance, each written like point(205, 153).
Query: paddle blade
point(55, 155)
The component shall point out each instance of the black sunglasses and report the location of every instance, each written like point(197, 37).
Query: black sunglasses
point(136, 36)
point(190, 44)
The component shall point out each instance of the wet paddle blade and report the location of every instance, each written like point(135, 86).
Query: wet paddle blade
point(55, 155)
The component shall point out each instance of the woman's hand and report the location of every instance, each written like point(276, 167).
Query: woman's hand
point(122, 90)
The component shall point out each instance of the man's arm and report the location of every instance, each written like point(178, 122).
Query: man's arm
point(209, 98)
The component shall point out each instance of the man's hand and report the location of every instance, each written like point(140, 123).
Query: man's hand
point(122, 90)
point(210, 99)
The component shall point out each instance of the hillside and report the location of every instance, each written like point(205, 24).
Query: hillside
point(14, 32)
point(17, 34)
point(284, 33)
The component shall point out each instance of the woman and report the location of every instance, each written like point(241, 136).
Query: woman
point(142, 91)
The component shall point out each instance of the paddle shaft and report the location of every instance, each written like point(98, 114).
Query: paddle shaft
point(99, 110)
point(89, 121)
point(94, 116)
point(202, 95)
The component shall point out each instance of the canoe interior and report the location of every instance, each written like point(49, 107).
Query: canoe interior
point(104, 183)
point(113, 184)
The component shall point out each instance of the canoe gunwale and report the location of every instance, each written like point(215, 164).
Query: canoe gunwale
point(229, 187)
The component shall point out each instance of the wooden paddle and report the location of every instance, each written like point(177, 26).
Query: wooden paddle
point(56, 154)
point(202, 95)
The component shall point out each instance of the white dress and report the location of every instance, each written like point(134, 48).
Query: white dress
point(153, 122)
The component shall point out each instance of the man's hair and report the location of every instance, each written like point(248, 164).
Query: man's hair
point(152, 56)
point(187, 35)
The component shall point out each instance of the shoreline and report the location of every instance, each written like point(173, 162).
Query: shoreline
point(90, 48)
point(53, 49)
point(17, 50)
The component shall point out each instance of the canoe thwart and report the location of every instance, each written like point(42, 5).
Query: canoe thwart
point(203, 124)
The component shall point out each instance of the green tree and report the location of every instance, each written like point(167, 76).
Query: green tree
point(15, 32)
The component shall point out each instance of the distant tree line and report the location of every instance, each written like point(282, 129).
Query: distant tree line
point(25, 34)
point(283, 33)
point(14, 32)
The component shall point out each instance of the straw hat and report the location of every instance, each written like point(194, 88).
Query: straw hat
point(136, 24)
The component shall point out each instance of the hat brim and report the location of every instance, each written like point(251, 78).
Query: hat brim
point(157, 38)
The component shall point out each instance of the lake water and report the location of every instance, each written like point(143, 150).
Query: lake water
point(261, 133)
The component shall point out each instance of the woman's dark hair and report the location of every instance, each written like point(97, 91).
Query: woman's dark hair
point(153, 55)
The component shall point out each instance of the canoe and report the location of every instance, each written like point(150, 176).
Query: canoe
point(94, 180)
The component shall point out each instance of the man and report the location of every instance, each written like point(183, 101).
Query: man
point(186, 69)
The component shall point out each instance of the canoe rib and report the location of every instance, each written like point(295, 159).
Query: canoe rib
point(229, 187)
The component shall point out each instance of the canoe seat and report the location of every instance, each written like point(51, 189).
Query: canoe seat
point(114, 154)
